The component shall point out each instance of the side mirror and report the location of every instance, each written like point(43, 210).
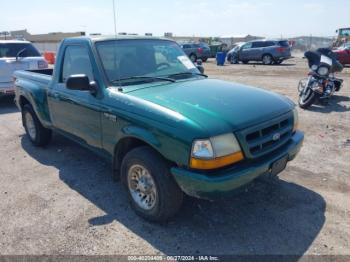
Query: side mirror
point(81, 83)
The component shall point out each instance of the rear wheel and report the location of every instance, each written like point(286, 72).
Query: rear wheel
point(153, 193)
point(245, 62)
point(267, 59)
point(37, 134)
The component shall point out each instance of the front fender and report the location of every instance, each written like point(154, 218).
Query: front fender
point(141, 134)
point(170, 147)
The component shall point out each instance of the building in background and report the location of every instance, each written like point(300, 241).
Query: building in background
point(44, 42)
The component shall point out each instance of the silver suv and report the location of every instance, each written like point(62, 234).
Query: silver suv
point(267, 51)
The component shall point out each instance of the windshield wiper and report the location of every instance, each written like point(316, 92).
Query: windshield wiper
point(188, 73)
point(151, 78)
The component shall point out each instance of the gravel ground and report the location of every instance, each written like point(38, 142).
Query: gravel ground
point(62, 200)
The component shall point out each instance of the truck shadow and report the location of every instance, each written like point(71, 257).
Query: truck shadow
point(7, 105)
point(278, 218)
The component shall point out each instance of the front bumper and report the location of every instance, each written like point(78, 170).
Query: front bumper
point(7, 88)
point(220, 183)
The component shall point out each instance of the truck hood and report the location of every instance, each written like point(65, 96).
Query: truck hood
point(217, 106)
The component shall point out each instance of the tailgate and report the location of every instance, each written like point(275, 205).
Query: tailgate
point(9, 65)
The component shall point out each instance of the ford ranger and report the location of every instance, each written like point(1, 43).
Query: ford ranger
point(166, 128)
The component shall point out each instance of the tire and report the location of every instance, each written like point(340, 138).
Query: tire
point(167, 196)
point(37, 134)
point(278, 62)
point(267, 59)
point(193, 58)
point(233, 60)
point(245, 62)
point(308, 99)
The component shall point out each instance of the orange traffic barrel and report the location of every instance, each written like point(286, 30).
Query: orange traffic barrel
point(50, 57)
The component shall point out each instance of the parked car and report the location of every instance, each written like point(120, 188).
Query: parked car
point(16, 55)
point(168, 130)
point(343, 54)
point(234, 50)
point(267, 51)
point(197, 51)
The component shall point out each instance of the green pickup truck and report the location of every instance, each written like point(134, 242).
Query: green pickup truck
point(167, 129)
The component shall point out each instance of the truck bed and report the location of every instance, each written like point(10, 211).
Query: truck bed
point(44, 76)
point(48, 71)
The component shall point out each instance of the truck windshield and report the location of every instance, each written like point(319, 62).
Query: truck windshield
point(12, 49)
point(129, 61)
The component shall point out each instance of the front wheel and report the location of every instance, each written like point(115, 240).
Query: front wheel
point(38, 135)
point(234, 60)
point(307, 98)
point(153, 193)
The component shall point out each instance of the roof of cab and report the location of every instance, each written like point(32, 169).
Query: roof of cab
point(119, 37)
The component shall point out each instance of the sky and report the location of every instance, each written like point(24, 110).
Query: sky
point(269, 18)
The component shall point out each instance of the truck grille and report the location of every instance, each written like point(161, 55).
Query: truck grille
point(262, 139)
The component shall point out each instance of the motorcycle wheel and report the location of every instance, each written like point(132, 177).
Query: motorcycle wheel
point(307, 98)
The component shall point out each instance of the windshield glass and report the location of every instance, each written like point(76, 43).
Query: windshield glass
point(12, 49)
point(124, 59)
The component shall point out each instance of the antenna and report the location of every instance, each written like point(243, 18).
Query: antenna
point(120, 89)
point(115, 19)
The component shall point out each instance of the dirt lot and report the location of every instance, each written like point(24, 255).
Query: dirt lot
point(62, 200)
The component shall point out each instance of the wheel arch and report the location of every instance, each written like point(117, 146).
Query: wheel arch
point(128, 143)
point(22, 101)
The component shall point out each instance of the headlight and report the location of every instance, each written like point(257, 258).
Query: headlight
point(295, 119)
point(322, 71)
point(314, 67)
point(215, 152)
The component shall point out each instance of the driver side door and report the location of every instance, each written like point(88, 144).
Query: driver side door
point(245, 54)
point(76, 112)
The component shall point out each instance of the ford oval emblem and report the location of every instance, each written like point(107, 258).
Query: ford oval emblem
point(276, 137)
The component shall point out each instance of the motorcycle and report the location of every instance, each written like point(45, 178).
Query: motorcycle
point(321, 83)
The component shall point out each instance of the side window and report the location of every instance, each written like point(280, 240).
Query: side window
point(76, 61)
point(186, 46)
point(247, 46)
point(270, 43)
point(257, 44)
